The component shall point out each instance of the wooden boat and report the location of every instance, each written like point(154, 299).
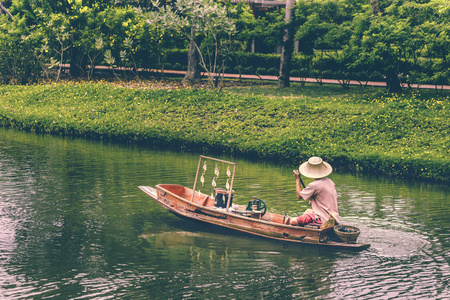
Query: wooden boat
point(182, 201)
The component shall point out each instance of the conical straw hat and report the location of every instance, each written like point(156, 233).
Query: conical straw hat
point(315, 168)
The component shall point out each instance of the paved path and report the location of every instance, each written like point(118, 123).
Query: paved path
point(292, 79)
point(313, 80)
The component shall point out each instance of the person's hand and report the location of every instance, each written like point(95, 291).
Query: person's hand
point(296, 174)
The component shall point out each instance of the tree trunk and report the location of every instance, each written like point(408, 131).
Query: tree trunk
point(193, 73)
point(393, 83)
point(288, 46)
point(77, 63)
point(375, 6)
point(77, 59)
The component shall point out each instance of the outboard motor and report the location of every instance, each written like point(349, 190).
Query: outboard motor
point(221, 199)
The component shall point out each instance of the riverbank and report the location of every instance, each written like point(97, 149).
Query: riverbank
point(363, 129)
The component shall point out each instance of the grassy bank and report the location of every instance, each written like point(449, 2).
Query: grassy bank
point(362, 129)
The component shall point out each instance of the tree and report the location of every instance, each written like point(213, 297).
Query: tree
point(22, 51)
point(205, 24)
point(377, 44)
point(193, 73)
point(323, 29)
point(288, 46)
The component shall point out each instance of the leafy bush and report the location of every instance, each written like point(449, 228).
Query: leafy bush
point(248, 70)
point(22, 52)
point(177, 56)
point(273, 71)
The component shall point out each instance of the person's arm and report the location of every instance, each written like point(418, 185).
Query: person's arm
point(298, 184)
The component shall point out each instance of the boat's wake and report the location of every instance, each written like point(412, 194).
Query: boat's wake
point(393, 242)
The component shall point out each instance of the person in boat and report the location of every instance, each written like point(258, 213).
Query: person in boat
point(321, 193)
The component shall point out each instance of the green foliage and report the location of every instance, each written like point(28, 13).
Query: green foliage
point(22, 52)
point(391, 43)
point(375, 132)
point(408, 42)
point(324, 24)
point(176, 56)
point(245, 23)
point(205, 23)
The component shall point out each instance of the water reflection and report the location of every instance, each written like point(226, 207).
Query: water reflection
point(73, 224)
point(243, 266)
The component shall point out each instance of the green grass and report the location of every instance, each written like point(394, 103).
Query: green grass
point(361, 129)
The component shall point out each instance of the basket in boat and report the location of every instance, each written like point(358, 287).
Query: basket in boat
point(346, 233)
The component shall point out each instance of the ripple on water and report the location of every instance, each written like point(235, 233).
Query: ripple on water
point(399, 264)
point(391, 243)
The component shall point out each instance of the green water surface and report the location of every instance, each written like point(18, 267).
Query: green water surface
point(74, 225)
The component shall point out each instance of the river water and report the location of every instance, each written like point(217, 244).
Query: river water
point(74, 225)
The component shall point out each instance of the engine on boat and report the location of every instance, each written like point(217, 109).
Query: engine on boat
point(257, 205)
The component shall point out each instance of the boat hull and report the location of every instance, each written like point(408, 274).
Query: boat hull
point(180, 201)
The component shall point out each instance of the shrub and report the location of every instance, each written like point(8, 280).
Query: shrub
point(178, 66)
point(273, 71)
point(21, 52)
point(261, 71)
